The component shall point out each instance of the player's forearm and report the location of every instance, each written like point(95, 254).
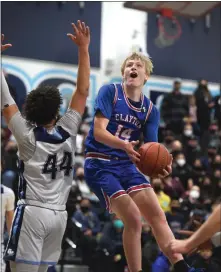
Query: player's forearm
point(105, 137)
point(8, 105)
point(207, 230)
point(6, 99)
point(9, 219)
point(83, 79)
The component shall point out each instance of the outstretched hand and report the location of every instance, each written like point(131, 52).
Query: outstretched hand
point(184, 246)
point(81, 36)
point(4, 46)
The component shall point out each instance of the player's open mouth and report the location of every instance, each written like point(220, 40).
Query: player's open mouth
point(133, 74)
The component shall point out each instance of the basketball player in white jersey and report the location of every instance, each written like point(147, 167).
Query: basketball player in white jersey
point(46, 146)
point(7, 212)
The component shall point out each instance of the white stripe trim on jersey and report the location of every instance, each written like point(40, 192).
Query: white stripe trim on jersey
point(97, 159)
point(116, 95)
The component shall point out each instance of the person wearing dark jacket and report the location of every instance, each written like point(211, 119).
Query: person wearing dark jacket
point(175, 108)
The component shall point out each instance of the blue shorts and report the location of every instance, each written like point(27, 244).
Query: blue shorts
point(112, 179)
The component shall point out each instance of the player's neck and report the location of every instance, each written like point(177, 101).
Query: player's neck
point(133, 93)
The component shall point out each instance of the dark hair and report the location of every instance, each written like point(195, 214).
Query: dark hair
point(42, 105)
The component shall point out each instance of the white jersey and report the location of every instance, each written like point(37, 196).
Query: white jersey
point(7, 204)
point(46, 160)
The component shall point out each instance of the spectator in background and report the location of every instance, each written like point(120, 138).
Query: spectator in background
point(173, 187)
point(217, 107)
point(206, 188)
point(175, 218)
point(88, 219)
point(204, 104)
point(214, 134)
point(163, 199)
point(192, 149)
point(175, 108)
point(168, 138)
point(81, 186)
point(181, 169)
point(90, 227)
point(111, 241)
point(198, 171)
point(176, 146)
point(190, 202)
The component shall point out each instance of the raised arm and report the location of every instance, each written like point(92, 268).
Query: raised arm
point(81, 38)
point(8, 105)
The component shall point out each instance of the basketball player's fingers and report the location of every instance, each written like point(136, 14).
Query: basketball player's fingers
point(134, 143)
point(75, 29)
point(72, 37)
point(83, 27)
point(87, 30)
point(163, 175)
point(2, 37)
point(134, 159)
point(136, 154)
point(80, 27)
point(6, 46)
point(168, 169)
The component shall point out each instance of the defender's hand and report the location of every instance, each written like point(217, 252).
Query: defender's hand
point(129, 148)
point(180, 246)
point(4, 46)
point(81, 35)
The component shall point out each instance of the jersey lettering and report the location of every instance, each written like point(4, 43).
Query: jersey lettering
point(124, 133)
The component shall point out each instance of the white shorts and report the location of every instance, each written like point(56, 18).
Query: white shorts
point(2, 264)
point(36, 235)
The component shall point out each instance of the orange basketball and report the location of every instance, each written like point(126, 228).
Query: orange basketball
point(154, 158)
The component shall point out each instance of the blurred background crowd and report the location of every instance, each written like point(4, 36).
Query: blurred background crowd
point(191, 131)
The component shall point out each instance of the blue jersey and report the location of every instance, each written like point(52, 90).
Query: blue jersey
point(127, 119)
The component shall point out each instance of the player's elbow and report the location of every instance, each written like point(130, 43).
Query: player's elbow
point(98, 134)
point(83, 91)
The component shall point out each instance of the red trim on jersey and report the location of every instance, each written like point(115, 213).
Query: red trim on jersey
point(149, 111)
point(138, 188)
point(107, 201)
point(129, 104)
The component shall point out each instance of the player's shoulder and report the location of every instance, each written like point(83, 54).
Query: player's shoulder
point(107, 88)
point(7, 191)
point(149, 103)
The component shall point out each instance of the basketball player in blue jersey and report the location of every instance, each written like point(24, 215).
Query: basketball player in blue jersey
point(46, 145)
point(122, 113)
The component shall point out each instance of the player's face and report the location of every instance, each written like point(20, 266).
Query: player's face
point(135, 73)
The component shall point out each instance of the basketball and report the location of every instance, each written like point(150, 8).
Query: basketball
point(154, 158)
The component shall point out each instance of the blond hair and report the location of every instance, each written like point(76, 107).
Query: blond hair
point(146, 60)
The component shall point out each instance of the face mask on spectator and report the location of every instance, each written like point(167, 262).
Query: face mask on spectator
point(181, 162)
point(84, 209)
point(175, 209)
point(188, 132)
point(168, 140)
point(80, 177)
point(194, 194)
point(118, 224)
point(157, 188)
